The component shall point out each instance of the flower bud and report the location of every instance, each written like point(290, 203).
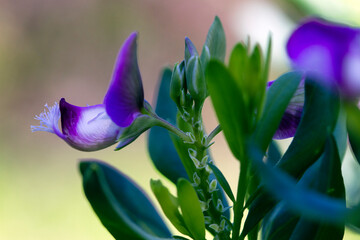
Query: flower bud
point(195, 79)
point(177, 82)
point(190, 50)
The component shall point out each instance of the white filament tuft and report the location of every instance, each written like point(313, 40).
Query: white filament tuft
point(49, 120)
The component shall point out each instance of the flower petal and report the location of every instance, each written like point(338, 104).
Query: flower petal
point(323, 48)
point(292, 115)
point(87, 128)
point(125, 96)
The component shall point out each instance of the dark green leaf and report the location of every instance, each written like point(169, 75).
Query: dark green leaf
point(222, 181)
point(229, 105)
point(170, 206)
point(280, 223)
point(318, 120)
point(160, 147)
point(273, 154)
point(122, 207)
point(325, 177)
point(305, 229)
point(319, 116)
point(298, 198)
point(277, 100)
point(191, 209)
point(340, 133)
point(261, 204)
point(215, 40)
point(179, 238)
point(353, 127)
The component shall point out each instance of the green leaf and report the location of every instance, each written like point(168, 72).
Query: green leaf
point(182, 150)
point(238, 64)
point(299, 199)
point(261, 204)
point(256, 83)
point(179, 238)
point(318, 120)
point(325, 177)
point(122, 207)
point(215, 41)
point(191, 209)
point(328, 180)
point(273, 153)
point(277, 100)
point(319, 117)
point(222, 181)
point(281, 221)
point(250, 72)
point(328, 177)
point(267, 60)
point(229, 105)
point(161, 149)
point(170, 206)
point(353, 128)
point(340, 133)
point(279, 224)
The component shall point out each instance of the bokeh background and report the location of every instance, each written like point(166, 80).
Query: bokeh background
point(51, 49)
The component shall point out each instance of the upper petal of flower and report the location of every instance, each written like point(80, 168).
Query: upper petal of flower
point(87, 128)
point(125, 96)
point(292, 114)
point(328, 50)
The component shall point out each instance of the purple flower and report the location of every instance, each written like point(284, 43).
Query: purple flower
point(96, 127)
point(84, 128)
point(329, 51)
point(124, 99)
point(292, 115)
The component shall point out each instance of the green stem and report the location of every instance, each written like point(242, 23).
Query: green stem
point(213, 134)
point(165, 124)
point(240, 198)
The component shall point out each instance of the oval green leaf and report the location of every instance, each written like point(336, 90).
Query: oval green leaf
point(191, 209)
point(122, 207)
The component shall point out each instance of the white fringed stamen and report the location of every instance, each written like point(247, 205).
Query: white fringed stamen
point(49, 120)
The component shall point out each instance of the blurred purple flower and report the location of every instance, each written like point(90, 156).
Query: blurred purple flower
point(328, 51)
point(96, 127)
point(292, 115)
